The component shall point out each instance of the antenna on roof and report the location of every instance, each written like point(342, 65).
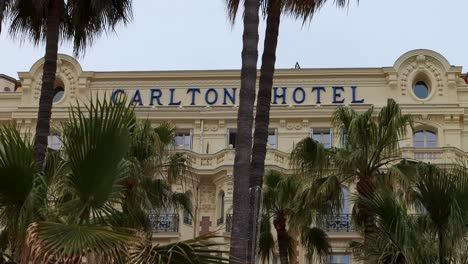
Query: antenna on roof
point(297, 66)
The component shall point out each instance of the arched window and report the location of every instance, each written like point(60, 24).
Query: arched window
point(220, 219)
point(425, 139)
point(59, 91)
point(421, 90)
point(187, 216)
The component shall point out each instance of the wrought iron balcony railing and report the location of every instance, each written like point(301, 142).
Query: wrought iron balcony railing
point(228, 223)
point(168, 223)
point(336, 223)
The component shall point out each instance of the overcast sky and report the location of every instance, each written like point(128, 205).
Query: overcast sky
point(187, 34)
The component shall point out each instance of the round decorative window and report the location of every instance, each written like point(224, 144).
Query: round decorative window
point(421, 90)
point(58, 93)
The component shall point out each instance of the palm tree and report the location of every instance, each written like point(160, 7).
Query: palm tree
point(369, 143)
point(273, 9)
point(149, 157)
point(74, 210)
point(281, 205)
point(437, 236)
point(53, 21)
point(240, 235)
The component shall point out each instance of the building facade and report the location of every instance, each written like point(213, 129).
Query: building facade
point(203, 106)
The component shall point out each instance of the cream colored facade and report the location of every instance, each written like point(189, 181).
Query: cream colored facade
point(206, 120)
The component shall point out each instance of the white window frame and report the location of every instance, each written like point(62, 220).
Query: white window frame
point(190, 136)
point(425, 141)
point(275, 131)
point(321, 133)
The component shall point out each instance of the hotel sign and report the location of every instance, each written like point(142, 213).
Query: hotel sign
point(229, 96)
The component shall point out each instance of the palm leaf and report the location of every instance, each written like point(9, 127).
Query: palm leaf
point(266, 244)
point(316, 242)
point(200, 250)
point(96, 142)
point(54, 242)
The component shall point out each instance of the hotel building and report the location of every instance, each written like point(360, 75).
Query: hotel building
point(203, 106)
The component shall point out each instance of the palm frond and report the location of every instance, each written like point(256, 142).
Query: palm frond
point(316, 242)
point(200, 250)
point(310, 158)
point(96, 142)
point(166, 135)
point(266, 244)
point(89, 19)
point(232, 8)
point(54, 242)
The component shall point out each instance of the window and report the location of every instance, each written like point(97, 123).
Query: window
point(187, 217)
point(54, 142)
point(425, 139)
point(220, 219)
point(273, 138)
point(7, 89)
point(322, 135)
point(59, 91)
point(345, 207)
point(183, 140)
point(421, 90)
point(231, 137)
point(339, 259)
point(58, 94)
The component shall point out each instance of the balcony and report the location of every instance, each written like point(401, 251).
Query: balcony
point(210, 163)
point(164, 223)
point(340, 223)
point(441, 155)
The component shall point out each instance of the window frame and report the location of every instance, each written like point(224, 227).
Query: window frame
point(275, 134)
point(322, 132)
point(185, 133)
point(425, 142)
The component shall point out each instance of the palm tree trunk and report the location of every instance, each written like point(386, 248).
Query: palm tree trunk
point(441, 247)
point(262, 119)
point(282, 235)
point(240, 225)
point(365, 188)
point(48, 80)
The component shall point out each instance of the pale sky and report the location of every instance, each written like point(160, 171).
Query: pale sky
point(195, 35)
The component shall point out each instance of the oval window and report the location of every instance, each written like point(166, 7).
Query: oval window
point(58, 94)
point(421, 90)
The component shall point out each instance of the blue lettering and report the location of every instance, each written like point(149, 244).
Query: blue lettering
point(115, 94)
point(171, 101)
point(318, 89)
point(193, 91)
point(337, 95)
point(276, 95)
point(231, 97)
point(207, 96)
point(137, 98)
point(356, 101)
point(294, 95)
point(155, 94)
